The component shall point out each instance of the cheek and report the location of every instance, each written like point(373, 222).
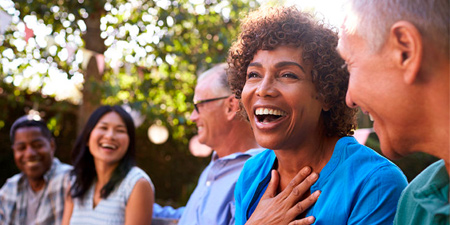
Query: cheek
point(125, 141)
point(246, 97)
point(92, 138)
point(17, 157)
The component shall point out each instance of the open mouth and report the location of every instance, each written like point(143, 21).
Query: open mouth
point(108, 146)
point(267, 115)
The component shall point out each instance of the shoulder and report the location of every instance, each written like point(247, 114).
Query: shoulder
point(428, 174)
point(257, 162)
point(255, 169)
point(434, 176)
point(11, 184)
point(14, 180)
point(60, 174)
point(143, 185)
point(135, 176)
point(60, 168)
point(369, 168)
point(366, 159)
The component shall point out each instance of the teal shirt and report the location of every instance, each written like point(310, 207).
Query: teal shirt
point(425, 199)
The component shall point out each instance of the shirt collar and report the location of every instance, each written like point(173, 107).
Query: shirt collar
point(250, 152)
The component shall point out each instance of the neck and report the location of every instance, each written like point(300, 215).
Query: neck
point(434, 136)
point(314, 154)
point(240, 138)
point(36, 184)
point(104, 172)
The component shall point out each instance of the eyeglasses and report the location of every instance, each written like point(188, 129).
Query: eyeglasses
point(196, 103)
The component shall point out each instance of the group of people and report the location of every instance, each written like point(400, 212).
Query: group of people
point(279, 115)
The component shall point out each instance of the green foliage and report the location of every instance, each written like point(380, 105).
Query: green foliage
point(154, 49)
point(153, 52)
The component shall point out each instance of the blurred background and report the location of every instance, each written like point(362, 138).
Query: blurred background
point(61, 59)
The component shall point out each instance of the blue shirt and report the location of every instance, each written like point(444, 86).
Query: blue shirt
point(212, 201)
point(358, 186)
point(13, 197)
point(425, 200)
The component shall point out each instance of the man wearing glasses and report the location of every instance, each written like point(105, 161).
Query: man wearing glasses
point(222, 127)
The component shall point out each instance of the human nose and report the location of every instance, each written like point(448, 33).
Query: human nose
point(110, 133)
point(194, 115)
point(267, 87)
point(30, 151)
point(349, 101)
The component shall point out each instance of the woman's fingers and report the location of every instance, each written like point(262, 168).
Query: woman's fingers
point(301, 175)
point(271, 190)
point(305, 221)
point(287, 205)
point(303, 205)
point(304, 186)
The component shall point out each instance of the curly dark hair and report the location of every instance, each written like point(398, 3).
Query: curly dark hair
point(269, 28)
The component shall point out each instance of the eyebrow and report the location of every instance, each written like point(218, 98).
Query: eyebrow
point(288, 63)
point(279, 65)
point(38, 139)
point(105, 123)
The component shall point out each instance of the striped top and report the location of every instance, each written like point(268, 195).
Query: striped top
point(111, 210)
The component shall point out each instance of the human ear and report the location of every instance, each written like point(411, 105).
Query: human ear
point(52, 145)
point(232, 107)
point(407, 44)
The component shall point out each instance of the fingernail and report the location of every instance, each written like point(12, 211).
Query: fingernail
point(311, 219)
point(316, 194)
point(307, 169)
point(314, 175)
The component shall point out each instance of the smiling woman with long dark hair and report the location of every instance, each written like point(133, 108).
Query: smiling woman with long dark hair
point(108, 188)
point(291, 82)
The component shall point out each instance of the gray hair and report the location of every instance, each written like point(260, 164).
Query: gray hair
point(221, 84)
point(372, 19)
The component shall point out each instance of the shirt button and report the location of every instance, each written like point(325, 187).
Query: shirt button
point(208, 183)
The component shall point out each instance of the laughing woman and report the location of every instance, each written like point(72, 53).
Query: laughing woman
point(286, 72)
point(108, 187)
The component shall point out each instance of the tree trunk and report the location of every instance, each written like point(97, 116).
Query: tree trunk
point(92, 89)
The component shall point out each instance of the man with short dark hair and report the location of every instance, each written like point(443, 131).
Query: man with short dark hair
point(397, 53)
point(36, 195)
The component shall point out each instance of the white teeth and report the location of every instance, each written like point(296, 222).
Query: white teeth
point(108, 146)
point(267, 111)
point(370, 117)
point(31, 163)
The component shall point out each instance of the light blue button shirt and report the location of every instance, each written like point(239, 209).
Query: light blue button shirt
point(212, 201)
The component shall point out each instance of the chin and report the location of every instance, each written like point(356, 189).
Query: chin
point(267, 143)
point(389, 151)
